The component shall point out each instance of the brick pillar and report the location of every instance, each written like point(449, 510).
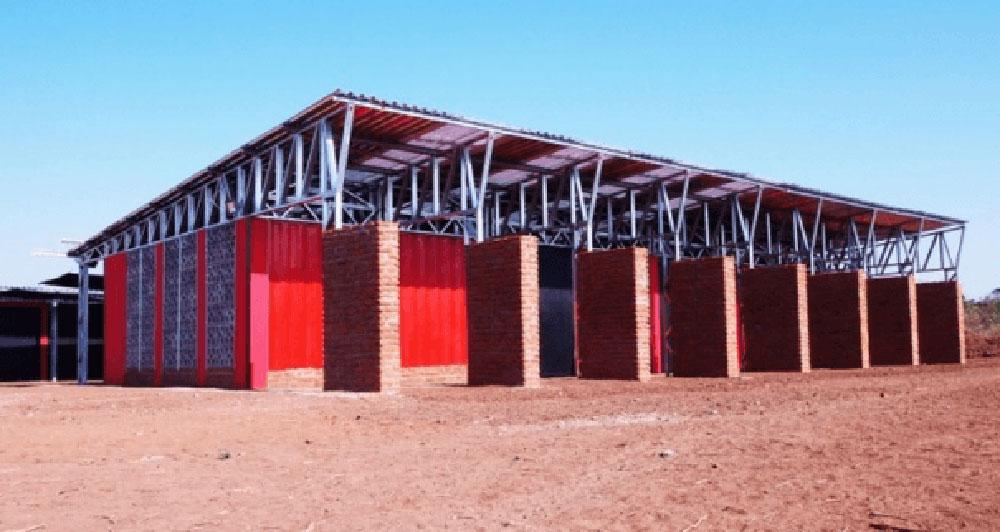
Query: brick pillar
point(941, 322)
point(361, 308)
point(892, 321)
point(613, 314)
point(502, 290)
point(838, 320)
point(703, 317)
point(774, 307)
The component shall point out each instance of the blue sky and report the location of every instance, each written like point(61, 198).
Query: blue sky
point(105, 105)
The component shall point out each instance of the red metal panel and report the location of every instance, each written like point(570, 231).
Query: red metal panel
point(202, 301)
point(158, 318)
point(433, 329)
point(259, 303)
point(115, 274)
point(295, 266)
point(655, 344)
point(241, 351)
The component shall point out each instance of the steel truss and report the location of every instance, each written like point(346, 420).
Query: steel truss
point(318, 171)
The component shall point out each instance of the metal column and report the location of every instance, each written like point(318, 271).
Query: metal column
point(82, 332)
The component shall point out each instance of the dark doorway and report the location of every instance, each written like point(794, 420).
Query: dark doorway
point(558, 329)
point(66, 365)
point(20, 343)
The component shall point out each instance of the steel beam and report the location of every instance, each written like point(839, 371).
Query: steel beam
point(82, 322)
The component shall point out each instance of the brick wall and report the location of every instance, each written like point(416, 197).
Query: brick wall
point(295, 379)
point(361, 308)
point(703, 317)
point(502, 288)
point(892, 321)
point(417, 376)
point(613, 314)
point(941, 317)
point(775, 312)
point(838, 320)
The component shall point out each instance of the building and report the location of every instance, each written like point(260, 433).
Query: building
point(370, 243)
point(38, 331)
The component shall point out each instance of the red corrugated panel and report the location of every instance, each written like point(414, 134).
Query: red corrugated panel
point(295, 269)
point(655, 344)
point(260, 305)
point(115, 274)
point(433, 328)
point(158, 318)
point(241, 353)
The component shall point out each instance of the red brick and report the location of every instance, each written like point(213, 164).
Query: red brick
point(838, 320)
point(775, 312)
point(361, 308)
point(613, 314)
point(502, 292)
point(418, 376)
point(892, 321)
point(295, 379)
point(703, 317)
point(941, 322)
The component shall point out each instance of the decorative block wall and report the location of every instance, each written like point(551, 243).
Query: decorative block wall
point(220, 305)
point(361, 308)
point(613, 314)
point(941, 322)
point(503, 312)
point(838, 320)
point(180, 311)
point(140, 316)
point(892, 321)
point(775, 311)
point(703, 317)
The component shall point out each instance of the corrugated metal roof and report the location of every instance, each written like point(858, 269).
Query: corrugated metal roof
point(381, 128)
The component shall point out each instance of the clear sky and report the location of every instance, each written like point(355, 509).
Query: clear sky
point(105, 105)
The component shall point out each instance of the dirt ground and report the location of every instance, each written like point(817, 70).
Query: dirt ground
point(886, 449)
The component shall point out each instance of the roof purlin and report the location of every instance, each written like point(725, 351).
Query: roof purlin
point(330, 105)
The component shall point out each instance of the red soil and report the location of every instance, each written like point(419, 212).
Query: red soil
point(910, 448)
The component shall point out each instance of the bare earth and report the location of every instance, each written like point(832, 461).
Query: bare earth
point(886, 449)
